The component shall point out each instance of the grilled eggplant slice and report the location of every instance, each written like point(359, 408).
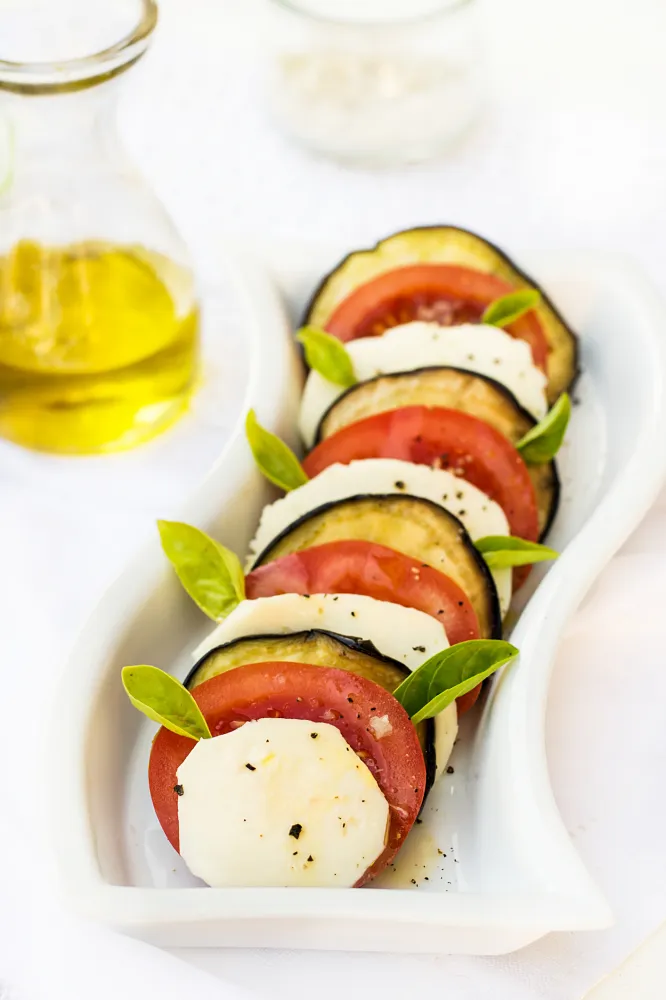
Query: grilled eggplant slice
point(455, 389)
point(416, 527)
point(322, 649)
point(315, 646)
point(453, 246)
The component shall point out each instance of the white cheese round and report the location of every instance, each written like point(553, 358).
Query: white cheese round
point(480, 515)
point(305, 812)
point(393, 630)
point(409, 636)
point(475, 347)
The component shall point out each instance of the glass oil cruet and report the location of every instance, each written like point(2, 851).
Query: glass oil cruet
point(98, 311)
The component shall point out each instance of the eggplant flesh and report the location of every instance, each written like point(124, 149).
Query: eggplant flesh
point(315, 646)
point(410, 525)
point(448, 245)
point(455, 389)
point(319, 648)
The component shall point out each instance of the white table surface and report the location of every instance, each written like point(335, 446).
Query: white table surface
point(571, 154)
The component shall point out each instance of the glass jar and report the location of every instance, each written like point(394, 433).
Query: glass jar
point(98, 311)
point(376, 82)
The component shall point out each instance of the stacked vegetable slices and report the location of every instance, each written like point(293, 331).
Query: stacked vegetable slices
point(376, 586)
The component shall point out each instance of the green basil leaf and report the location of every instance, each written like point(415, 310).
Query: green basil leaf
point(542, 443)
point(509, 308)
point(500, 551)
point(211, 574)
point(275, 459)
point(450, 674)
point(164, 699)
point(327, 355)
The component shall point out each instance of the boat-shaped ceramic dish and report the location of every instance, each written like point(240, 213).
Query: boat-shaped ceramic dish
point(508, 872)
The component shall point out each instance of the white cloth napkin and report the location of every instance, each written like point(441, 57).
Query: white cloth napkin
point(47, 954)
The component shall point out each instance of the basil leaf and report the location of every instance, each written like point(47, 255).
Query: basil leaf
point(275, 459)
point(164, 699)
point(327, 355)
point(500, 551)
point(450, 674)
point(509, 308)
point(211, 574)
point(542, 443)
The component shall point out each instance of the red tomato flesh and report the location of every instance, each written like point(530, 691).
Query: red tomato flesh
point(319, 694)
point(358, 567)
point(441, 293)
point(447, 439)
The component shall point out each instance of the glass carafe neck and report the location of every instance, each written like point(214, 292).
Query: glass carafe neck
point(60, 126)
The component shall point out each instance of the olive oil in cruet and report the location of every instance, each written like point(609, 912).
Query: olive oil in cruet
point(98, 310)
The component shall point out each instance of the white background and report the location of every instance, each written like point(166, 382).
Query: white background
point(572, 153)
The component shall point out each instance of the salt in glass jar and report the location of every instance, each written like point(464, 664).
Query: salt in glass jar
point(376, 82)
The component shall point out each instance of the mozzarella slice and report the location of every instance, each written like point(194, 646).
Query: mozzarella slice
point(475, 347)
point(392, 629)
point(409, 636)
point(480, 515)
point(306, 812)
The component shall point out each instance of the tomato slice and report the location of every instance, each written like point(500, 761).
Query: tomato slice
point(447, 439)
point(442, 293)
point(319, 694)
point(373, 570)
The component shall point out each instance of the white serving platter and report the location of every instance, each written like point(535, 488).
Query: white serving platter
point(508, 873)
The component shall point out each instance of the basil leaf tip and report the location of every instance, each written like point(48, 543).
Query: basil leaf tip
point(327, 355)
point(164, 699)
point(211, 574)
point(509, 308)
point(502, 551)
point(450, 674)
point(543, 442)
point(275, 460)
